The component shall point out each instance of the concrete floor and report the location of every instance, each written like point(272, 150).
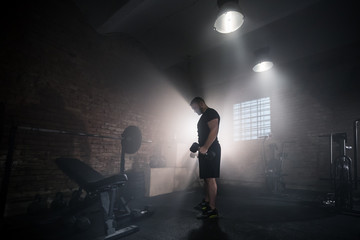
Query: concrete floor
point(245, 213)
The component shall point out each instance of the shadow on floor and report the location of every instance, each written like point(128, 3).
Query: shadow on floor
point(209, 230)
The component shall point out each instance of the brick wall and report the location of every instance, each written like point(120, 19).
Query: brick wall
point(58, 73)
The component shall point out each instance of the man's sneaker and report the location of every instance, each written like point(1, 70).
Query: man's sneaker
point(208, 213)
point(202, 206)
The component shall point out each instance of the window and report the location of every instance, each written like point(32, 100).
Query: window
point(252, 119)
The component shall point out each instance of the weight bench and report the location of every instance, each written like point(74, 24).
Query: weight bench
point(104, 188)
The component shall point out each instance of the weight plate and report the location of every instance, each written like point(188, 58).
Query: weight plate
point(131, 139)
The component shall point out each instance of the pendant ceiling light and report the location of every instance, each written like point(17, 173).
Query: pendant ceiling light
point(263, 66)
point(229, 18)
point(262, 60)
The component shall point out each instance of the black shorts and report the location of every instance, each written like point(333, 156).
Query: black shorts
point(210, 168)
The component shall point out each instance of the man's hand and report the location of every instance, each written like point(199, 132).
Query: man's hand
point(203, 150)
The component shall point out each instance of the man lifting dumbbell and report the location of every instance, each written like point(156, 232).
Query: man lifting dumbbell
point(209, 155)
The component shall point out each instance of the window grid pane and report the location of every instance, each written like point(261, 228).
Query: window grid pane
point(252, 119)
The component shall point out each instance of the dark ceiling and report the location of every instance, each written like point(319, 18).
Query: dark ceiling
point(171, 31)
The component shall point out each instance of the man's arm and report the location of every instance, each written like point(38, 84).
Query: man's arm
point(214, 129)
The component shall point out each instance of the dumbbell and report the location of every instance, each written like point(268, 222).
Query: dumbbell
point(195, 147)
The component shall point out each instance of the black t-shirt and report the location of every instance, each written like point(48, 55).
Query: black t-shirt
point(203, 128)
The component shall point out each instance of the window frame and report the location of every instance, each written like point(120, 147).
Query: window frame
point(251, 119)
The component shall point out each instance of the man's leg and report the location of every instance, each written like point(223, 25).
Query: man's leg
point(206, 191)
point(205, 201)
point(211, 191)
point(202, 172)
point(210, 211)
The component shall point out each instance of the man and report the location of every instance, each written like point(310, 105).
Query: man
point(209, 155)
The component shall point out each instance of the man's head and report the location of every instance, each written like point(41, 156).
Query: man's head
point(198, 105)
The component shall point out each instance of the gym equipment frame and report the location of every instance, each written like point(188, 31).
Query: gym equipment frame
point(340, 173)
